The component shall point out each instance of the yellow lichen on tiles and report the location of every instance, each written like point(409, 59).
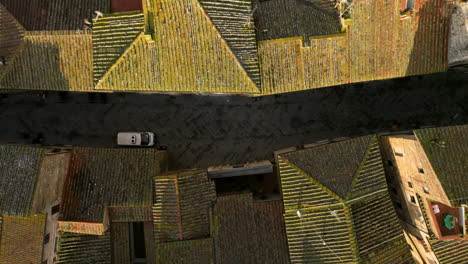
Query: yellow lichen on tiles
point(11, 38)
point(52, 60)
point(379, 44)
point(186, 55)
point(22, 239)
point(288, 66)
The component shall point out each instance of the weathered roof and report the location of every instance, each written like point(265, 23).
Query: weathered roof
point(21, 239)
point(55, 14)
point(249, 232)
point(331, 222)
point(234, 21)
point(447, 150)
point(112, 35)
point(19, 170)
point(100, 177)
point(84, 249)
point(372, 48)
point(11, 35)
point(122, 240)
point(186, 54)
point(195, 251)
point(51, 60)
point(388, 245)
point(130, 214)
point(277, 19)
point(182, 205)
point(450, 251)
point(333, 165)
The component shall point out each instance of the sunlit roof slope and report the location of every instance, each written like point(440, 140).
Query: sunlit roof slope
point(371, 48)
point(185, 54)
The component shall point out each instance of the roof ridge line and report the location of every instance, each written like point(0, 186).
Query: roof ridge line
point(118, 62)
point(321, 186)
point(226, 45)
point(374, 140)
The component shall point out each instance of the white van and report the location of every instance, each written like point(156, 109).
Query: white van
point(135, 139)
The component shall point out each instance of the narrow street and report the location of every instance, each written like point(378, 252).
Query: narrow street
point(200, 131)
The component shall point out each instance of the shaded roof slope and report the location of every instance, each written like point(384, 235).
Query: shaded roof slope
point(11, 35)
point(112, 35)
point(447, 151)
point(246, 231)
point(55, 14)
point(21, 239)
point(100, 177)
point(234, 21)
point(277, 19)
point(84, 249)
point(333, 165)
point(19, 169)
point(182, 206)
point(52, 60)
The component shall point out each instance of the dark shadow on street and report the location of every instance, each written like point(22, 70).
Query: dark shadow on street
point(200, 131)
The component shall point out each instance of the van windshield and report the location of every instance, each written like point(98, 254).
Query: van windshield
point(145, 138)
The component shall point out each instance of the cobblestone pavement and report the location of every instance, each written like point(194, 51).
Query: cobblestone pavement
point(208, 130)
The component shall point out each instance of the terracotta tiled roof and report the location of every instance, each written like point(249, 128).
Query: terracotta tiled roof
point(84, 249)
point(249, 232)
point(19, 169)
point(11, 35)
point(186, 54)
point(334, 204)
point(372, 49)
point(447, 151)
point(182, 205)
point(112, 35)
point(55, 14)
point(195, 251)
point(333, 165)
point(450, 251)
point(52, 60)
point(234, 21)
point(130, 214)
point(100, 177)
point(21, 239)
point(277, 19)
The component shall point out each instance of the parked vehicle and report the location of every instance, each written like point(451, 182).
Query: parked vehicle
point(135, 139)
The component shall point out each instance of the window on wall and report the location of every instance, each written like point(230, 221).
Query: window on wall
point(399, 154)
point(421, 170)
point(137, 242)
point(407, 5)
point(410, 185)
point(55, 209)
point(46, 238)
point(412, 199)
point(390, 163)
